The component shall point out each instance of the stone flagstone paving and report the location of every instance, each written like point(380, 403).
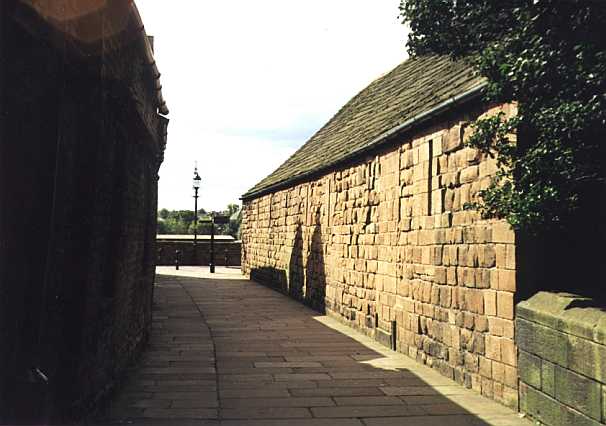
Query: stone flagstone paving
point(227, 351)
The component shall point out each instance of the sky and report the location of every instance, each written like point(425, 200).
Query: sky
point(247, 83)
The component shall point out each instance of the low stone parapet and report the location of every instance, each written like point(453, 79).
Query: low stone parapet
point(562, 359)
point(227, 253)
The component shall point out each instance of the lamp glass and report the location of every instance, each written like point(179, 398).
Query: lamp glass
point(197, 181)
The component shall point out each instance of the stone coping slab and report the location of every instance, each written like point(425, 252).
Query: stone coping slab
point(569, 313)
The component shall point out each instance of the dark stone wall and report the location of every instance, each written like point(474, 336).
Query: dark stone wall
point(78, 195)
point(562, 347)
point(226, 253)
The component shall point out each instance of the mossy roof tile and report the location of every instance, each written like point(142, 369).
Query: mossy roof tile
point(414, 87)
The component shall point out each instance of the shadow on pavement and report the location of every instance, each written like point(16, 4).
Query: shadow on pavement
point(228, 351)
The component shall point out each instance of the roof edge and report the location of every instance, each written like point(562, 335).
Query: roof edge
point(409, 124)
point(151, 62)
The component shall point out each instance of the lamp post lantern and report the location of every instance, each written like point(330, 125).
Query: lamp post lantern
point(196, 186)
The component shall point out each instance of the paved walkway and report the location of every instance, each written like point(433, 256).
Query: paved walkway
point(227, 351)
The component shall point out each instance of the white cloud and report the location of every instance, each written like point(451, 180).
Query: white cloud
point(248, 82)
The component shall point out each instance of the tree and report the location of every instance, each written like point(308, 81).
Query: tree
point(162, 228)
point(163, 214)
point(549, 56)
point(232, 209)
point(182, 221)
point(235, 220)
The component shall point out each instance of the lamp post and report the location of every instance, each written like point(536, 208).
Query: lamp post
point(196, 186)
point(211, 263)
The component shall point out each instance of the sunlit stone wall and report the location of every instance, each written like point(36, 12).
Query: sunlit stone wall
point(386, 245)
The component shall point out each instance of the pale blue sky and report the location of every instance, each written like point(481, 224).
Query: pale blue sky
point(247, 83)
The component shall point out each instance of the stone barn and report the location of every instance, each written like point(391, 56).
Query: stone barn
point(369, 222)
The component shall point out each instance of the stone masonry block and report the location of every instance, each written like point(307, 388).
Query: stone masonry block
point(556, 310)
point(579, 392)
point(493, 348)
point(587, 358)
point(548, 378)
point(507, 280)
point(498, 371)
point(424, 151)
point(505, 304)
point(501, 255)
point(485, 367)
point(549, 411)
point(529, 368)
point(511, 377)
point(511, 257)
point(502, 232)
point(507, 327)
point(469, 174)
point(542, 341)
point(508, 352)
point(437, 201)
point(453, 139)
point(487, 256)
point(510, 397)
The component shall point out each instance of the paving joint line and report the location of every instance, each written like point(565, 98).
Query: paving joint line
point(212, 339)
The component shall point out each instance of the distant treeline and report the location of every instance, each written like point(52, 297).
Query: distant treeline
point(182, 221)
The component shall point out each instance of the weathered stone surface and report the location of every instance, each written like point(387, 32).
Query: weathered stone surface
point(226, 252)
point(549, 411)
point(249, 327)
point(387, 239)
point(579, 392)
point(542, 341)
point(548, 377)
point(81, 146)
point(562, 338)
point(587, 358)
point(558, 311)
point(530, 369)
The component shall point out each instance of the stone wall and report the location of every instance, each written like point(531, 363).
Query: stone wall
point(387, 245)
point(79, 163)
point(562, 359)
point(226, 253)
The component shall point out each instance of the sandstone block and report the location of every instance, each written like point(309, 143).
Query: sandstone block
point(507, 280)
point(508, 352)
point(493, 348)
point(485, 367)
point(505, 304)
point(498, 371)
point(453, 139)
point(503, 233)
point(469, 174)
point(511, 377)
point(487, 256)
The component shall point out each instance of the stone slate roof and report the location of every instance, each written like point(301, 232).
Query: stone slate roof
point(393, 101)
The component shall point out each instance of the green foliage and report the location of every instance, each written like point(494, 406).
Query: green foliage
point(163, 214)
point(181, 222)
point(235, 220)
point(232, 209)
point(549, 56)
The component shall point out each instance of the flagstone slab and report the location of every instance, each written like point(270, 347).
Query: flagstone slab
point(229, 352)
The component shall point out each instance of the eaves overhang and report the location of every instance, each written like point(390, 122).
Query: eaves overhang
point(380, 141)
